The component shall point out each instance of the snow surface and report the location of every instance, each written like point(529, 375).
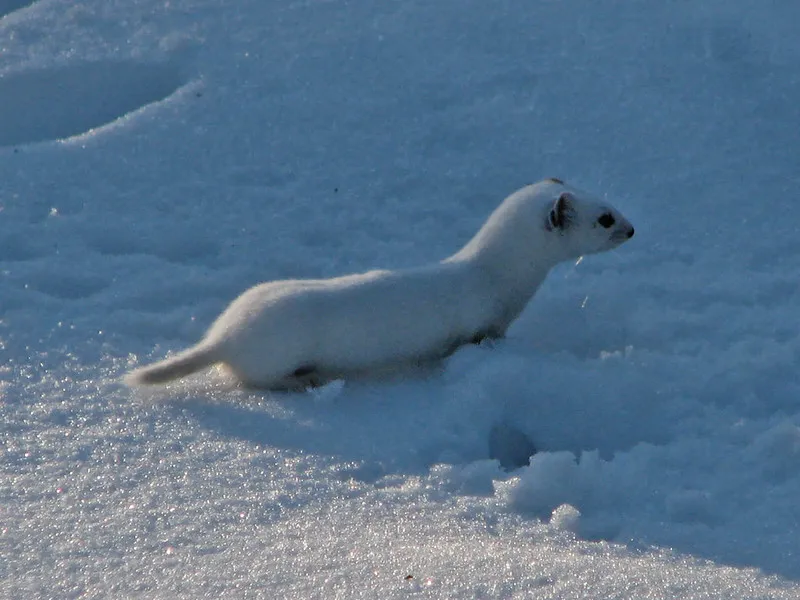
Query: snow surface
point(160, 157)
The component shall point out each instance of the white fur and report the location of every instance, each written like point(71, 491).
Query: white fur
point(296, 333)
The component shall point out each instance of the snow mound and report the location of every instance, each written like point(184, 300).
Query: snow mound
point(61, 102)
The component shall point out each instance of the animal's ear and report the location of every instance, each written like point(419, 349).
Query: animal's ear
point(560, 213)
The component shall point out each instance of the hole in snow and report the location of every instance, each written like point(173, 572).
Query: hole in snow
point(510, 447)
point(57, 103)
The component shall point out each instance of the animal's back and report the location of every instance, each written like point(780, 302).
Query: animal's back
point(348, 323)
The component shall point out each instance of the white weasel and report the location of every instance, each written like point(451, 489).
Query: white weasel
point(295, 334)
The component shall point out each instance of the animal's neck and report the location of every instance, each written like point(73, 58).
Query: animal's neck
point(512, 260)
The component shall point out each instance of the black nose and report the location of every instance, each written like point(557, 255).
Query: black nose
point(630, 233)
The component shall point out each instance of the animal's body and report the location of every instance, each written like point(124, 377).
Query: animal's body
point(294, 334)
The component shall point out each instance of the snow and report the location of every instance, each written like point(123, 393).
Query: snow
point(158, 158)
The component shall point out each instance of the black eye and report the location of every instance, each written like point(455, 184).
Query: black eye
point(606, 220)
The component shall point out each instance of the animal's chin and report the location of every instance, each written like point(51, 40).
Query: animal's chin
point(618, 238)
point(611, 245)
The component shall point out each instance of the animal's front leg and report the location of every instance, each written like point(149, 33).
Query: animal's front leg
point(308, 377)
point(488, 336)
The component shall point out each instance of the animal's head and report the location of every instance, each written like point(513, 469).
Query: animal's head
point(579, 223)
point(546, 223)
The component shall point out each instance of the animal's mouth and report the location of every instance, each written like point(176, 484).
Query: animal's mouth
point(622, 235)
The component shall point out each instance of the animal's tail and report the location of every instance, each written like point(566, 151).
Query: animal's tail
point(175, 367)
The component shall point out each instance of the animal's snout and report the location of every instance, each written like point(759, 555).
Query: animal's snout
point(630, 232)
